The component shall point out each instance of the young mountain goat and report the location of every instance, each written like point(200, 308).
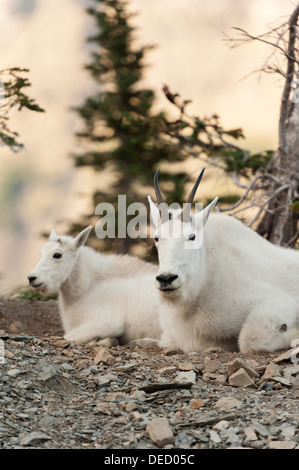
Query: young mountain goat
point(99, 295)
point(221, 283)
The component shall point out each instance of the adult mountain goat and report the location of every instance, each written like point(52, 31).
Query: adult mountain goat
point(100, 295)
point(221, 283)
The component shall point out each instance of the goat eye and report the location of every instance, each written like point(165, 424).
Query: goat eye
point(192, 237)
point(57, 255)
point(156, 239)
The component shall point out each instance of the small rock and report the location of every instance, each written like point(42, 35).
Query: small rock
point(182, 366)
point(260, 429)
point(239, 363)
point(286, 356)
point(47, 422)
point(189, 377)
point(196, 403)
point(160, 432)
point(144, 343)
point(106, 379)
point(14, 372)
point(126, 367)
point(211, 365)
point(282, 445)
point(252, 363)
point(282, 381)
point(271, 419)
point(67, 353)
point(291, 370)
point(231, 434)
point(103, 355)
point(223, 424)
point(240, 379)
point(250, 433)
point(60, 342)
point(82, 363)
point(104, 408)
point(288, 432)
point(33, 437)
point(8, 354)
point(272, 370)
point(86, 372)
point(67, 366)
point(219, 378)
point(227, 403)
point(25, 384)
point(16, 327)
point(47, 373)
point(167, 370)
point(131, 406)
point(138, 395)
point(214, 436)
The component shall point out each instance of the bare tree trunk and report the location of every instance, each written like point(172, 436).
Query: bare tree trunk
point(279, 223)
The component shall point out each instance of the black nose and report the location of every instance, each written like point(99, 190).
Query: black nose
point(31, 279)
point(166, 280)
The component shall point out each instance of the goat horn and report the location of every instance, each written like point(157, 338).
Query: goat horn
point(161, 203)
point(194, 189)
point(159, 196)
point(187, 206)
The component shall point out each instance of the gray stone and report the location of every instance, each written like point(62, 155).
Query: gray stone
point(223, 424)
point(228, 403)
point(33, 437)
point(260, 429)
point(250, 434)
point(282, 445)
point(47, 373)
point(282, 381)
point(214, 436)
point(286, 356)
point(186, 376)
point(239, 363)
point(160, 432)
point(211, 365)
point(288, 432)
point(106, 379)
point(240, 379)
point(125, 367)
point(271, 370)
point(139, 395)
point(14, 372)
point(144, 343)
point(103, 355)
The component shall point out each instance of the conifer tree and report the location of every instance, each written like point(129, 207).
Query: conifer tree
point(120, 128)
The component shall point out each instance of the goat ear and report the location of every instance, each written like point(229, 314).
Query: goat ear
point(53, 235)
point(82, 237)
point(202, 216)
point(155, 213)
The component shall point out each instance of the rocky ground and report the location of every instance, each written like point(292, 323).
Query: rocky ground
point(56, 394)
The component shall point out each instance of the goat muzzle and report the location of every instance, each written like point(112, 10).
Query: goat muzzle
point(165, 281)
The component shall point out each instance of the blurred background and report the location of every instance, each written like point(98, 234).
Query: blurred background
point(40, 187)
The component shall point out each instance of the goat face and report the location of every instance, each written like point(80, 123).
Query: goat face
point(178, 244)
point(58, 257)
point(178, 237)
